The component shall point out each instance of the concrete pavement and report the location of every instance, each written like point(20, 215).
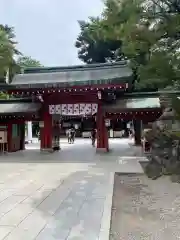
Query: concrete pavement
point(65, 195)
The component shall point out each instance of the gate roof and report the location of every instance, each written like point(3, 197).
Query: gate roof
point(134, 104)
point(15, 107)
point(93, 74)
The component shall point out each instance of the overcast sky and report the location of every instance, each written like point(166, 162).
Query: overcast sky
point(47, 29)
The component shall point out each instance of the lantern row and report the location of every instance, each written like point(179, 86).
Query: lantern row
point(66, 90)
point(17, 117)
point(127, 113)
point(84, 116)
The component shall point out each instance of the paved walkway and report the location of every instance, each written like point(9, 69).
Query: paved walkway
point(65, 195)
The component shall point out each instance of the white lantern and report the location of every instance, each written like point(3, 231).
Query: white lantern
point(99, 95)
point(76, 126)
point(107, 122)
point(41, 124)
point(40, 98)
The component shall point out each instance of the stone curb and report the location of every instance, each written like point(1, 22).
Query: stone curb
point(106, 218)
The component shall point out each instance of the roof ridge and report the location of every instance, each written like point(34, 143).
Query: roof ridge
point(76, 67)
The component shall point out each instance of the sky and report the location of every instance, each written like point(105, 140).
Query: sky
point(46, 30)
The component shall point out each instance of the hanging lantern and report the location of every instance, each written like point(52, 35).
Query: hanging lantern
point(41, 124)
point(76, 126)
point(99, 95)
point(40, 98)
point(107, 122)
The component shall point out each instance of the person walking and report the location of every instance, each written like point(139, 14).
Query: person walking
point(131, 134)
point(69, 135)
point(93, 136)
point(38, 135)
point(72, 135)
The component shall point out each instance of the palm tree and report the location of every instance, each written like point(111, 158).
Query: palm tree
point(7, 51)
point(11, 36)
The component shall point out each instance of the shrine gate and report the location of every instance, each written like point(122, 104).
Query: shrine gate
point(47, 95)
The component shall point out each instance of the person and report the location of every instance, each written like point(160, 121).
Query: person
point(130, 133)
point(72, 135)
point(69, 135)
point(38, 135)
point(93, 136)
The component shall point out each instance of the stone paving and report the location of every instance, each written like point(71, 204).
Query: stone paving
point(65, 195)
point(144, 209)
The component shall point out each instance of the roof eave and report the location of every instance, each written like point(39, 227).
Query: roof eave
point(114, 81)
point(119, 110)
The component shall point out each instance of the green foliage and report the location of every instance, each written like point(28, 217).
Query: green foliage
point(4, 96)
point(11, 37)
point(147, 33)
point(6, 53)
point(27, 62)
point(91, 44)
point(158, 30)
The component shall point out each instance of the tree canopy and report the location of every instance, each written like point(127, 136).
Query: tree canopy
point(92, 47)
point(8, 55)
point(7, 51)
point(147, 33)
point(27, 62)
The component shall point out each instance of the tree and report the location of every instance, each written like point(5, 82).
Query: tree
point(146, 33)
point(150, 34)
point(6, 53)
point(11, 37)
point(92, 47)
point(27, 62)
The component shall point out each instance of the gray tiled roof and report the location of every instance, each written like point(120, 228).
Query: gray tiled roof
point(134, 103)
point(72, 67)
point(85, 75)
point(21, 107)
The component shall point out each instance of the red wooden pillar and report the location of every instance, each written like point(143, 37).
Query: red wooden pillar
point(102, 135)
point(46, 132)
point(41, 135)
point(137, 132)
point(9, 137)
